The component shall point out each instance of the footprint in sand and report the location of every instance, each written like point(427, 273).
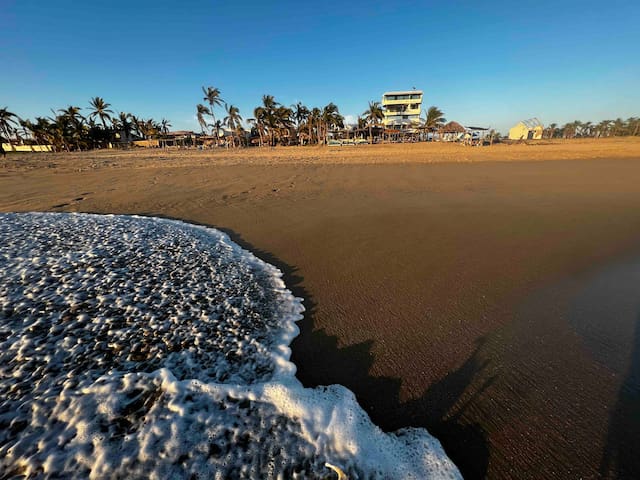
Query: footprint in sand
point(82, 196)
point(74, 201)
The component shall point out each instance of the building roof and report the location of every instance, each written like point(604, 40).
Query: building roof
point(531, 123)
point(453, 127)
point(180, 132)
point(404, 92)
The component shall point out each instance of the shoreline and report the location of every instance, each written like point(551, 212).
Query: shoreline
point(388, 153)
point(414, 274)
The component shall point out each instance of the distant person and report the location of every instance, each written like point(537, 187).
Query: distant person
point(4, 154)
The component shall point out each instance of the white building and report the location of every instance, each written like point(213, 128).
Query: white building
point(402, 109)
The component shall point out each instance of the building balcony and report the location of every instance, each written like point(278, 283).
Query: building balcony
point(403, 95)
point(401, 119)
point(400, 102)
point(413, 111)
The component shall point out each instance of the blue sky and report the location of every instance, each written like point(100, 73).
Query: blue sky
point(487, 63)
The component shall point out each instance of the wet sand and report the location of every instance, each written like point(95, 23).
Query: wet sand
point(487, 297)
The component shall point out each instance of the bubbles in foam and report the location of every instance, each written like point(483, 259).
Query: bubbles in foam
point(144, 347)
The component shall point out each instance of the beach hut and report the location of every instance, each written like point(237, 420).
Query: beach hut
point(530, 129)
point(452, 132)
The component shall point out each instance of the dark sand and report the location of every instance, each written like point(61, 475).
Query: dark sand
point(495, 303)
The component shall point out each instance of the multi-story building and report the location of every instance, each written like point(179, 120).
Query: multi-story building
point(402, 109)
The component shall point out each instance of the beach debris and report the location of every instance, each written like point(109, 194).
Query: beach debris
point(341, 475)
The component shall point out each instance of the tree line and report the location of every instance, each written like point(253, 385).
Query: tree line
point(67, 129)
point(272, 124)
point(605, 128)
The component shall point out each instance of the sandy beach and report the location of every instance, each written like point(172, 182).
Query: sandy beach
point(491, 294)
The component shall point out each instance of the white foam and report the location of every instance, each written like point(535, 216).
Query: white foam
point(145, 347)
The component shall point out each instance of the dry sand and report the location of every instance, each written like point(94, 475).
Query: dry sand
point(449, 287)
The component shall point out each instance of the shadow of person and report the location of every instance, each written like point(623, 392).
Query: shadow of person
point(621, 456)
point(440, 409)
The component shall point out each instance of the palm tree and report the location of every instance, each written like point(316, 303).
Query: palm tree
point(61, 132)
point(8, 123)
point(27, 128)
point(233, 120)
point(569, 130)
point(434, 119)
point(72, 113)
point(300, 115)
point(218, 127)
point(149, 128)
point(331, 118)
point(123, 124)
point(587, 129)
point(602, 129)
point(76, 122)
point(551, 130)
point(258, 123)
point(633, 124)
point(578, 126)
point(283, 122)
point(164, 126)
point(374, 115)
point(315, 118)
point(39, 130)
point(100, 110)
point(269, 116)
point(212, 97)
point(136, 123)
point(201, 111)
point(269, 102)
point(618, 127)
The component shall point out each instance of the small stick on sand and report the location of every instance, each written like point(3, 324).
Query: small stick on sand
point(341, 475)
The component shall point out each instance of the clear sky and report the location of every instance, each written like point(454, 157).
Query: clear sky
point(488, 63)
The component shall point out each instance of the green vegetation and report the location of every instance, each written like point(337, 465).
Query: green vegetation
point(279, 125)
point(373, 117)
point(605, 128)
point(434, 119)
point(68, 130)
point(8, 123)
point(212, 97)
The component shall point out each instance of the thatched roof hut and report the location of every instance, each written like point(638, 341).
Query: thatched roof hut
point(453, 127)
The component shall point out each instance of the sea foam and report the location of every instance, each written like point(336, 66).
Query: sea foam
point(150, 348)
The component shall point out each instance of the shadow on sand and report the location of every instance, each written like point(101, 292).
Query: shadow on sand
point(320, 361)
point(621, 457)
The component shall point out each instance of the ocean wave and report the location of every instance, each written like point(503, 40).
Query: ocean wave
point(150, 348)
